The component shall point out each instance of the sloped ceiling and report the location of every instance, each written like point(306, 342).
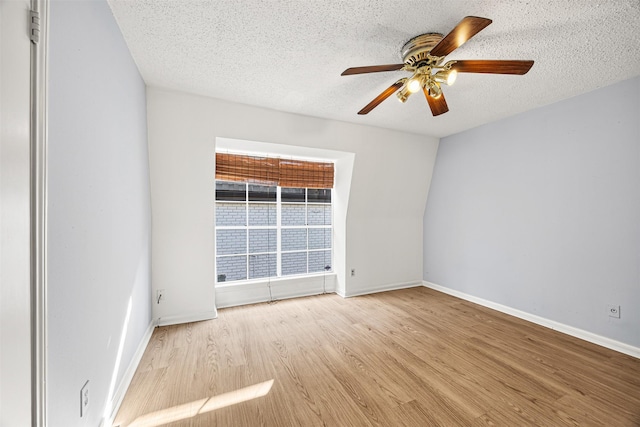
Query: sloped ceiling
point(288, 54)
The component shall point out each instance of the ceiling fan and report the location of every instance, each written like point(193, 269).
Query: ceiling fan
point(424, 56)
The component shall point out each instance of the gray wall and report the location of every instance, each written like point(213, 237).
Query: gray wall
point(99, 210)
point(541, 212)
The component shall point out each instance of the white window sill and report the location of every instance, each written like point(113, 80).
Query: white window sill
point(274, 280)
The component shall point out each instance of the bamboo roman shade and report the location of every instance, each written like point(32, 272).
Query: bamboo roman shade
point(269, 170)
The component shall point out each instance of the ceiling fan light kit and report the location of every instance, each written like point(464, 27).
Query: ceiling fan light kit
point(424, 55)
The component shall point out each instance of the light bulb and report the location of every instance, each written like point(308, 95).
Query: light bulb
point(414, 85)
point(451, 78)
point(446, 77)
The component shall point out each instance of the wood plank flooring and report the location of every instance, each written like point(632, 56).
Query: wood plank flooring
point(414, 357)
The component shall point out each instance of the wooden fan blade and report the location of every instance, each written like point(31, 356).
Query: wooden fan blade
point(378, 99)
point(372, 69)
point(438, 105)
point(490, 66)
point(467, 28)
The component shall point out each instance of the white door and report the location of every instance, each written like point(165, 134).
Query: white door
point(15, 334)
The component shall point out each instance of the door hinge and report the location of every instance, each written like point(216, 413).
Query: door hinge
point(34, 27)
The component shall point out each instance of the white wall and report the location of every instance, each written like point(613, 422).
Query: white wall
point(390, 181)
point(99, 211)
point(15, 344)
point(541, 212)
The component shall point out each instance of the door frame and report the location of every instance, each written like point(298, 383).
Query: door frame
point(38, 213)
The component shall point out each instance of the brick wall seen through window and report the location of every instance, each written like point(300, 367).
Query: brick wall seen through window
point(268, 231)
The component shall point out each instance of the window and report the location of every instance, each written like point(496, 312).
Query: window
point(270, 231)
point(273, 217)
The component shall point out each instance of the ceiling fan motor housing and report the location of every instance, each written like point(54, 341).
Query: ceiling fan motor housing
point(415, 52)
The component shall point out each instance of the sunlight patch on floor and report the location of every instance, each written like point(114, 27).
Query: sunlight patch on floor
point(191, 409)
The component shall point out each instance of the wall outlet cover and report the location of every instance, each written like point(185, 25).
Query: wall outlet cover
point(614, 311)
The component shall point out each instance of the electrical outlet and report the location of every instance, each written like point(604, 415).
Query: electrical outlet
point(159, 295)
point(84, 399)
point(614, 311)
point(353, 272)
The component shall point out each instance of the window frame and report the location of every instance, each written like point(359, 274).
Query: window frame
point(278, 227)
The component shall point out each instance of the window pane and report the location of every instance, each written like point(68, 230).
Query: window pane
point(294, 263)
point(319, 238)
point(316, 195)
point(319, 214)
point(294, 239)
point(230, 242)
point(262, 214)
point(264, 265)
point(319, 261)
point(262, 193)
point(234, 191)
point(231, 214)
point(231, 268)
point(263, 241)
point(293, 215)
point(292, 195)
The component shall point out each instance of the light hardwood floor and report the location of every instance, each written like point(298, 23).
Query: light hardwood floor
point(414, 357)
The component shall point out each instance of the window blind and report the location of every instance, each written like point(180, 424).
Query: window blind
point(286, 173)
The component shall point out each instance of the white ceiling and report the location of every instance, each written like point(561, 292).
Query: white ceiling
point(288, 54)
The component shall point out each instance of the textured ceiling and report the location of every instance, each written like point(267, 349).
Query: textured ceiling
point(288, 54)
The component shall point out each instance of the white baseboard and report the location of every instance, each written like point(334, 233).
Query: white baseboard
point(381, 288)
point(118, 396)
point(186, 318)
point(557, 326)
